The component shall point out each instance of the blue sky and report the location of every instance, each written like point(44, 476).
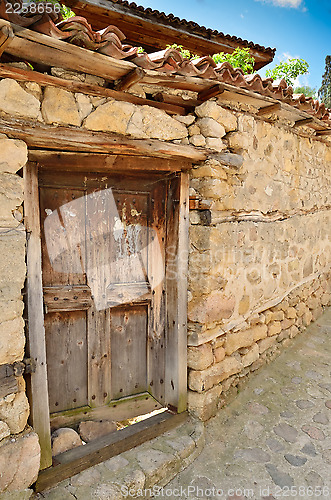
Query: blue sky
point(296, 28)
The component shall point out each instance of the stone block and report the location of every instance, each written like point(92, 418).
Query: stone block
point(203, 380)
point(287, 323)
point(65, 439)
point(19, 462)
point(245, 338)
point(312, 302)
point(210, 109)
point(285, 334)
point(4, 430)
point(274, 328)
point(215, 307)
point(251, 356)
point(215, 143)
point(326, 299)
point(16, 101)
point(12, 341)
point(112, 116)
point(211, 128)
point(186, 119)
point(194, 130)
point(266, 344)
point(155, 124)
point(14, 154)
point(204, 405)
point(307, 318)
point(301, 308)
point(294, 330)
point(90, 430)
point(200, 358)
point(197, 140)
point(11, 197)
point(84, 105)
point(316, 313)
point(10, 309)
point(291, 313)
point(219, 354)
point(60, 107)
point(14, 411)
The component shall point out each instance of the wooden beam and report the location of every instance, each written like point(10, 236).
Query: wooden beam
point(176, 286)
point(22, 75)
point(130, 79)
point(210, 92)
point(105, 162)
point(304, 121)
point(176, 100)
point(74, 461)
point(323, 132)
point(6, 36)
point(8, 381)
point(36, 344)
point(266, 110)
point(39, 48)
point(79, 140)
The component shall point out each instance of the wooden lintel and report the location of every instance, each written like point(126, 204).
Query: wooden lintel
point(22, 75)
point(176, 100)
point(6, 36)
point(323, 132)
point(210, 92)
point(41, 136)
point(130, 79)
point(78, 459)
point(305, 121)
point(266, 110)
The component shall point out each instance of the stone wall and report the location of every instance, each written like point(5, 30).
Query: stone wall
point(259, 266)
point(19, 447)
point(260, 251)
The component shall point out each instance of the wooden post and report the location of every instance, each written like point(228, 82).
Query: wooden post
point(36, 346)
point(6, 36)
point(176, 280)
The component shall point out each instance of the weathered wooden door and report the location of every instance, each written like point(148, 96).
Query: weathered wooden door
point(103, 262)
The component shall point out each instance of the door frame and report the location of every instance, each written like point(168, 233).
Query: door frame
point(177, 241)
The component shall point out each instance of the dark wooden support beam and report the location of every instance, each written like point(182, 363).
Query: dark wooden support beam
point(78, 459)
point(176, 100)
point(320, 133)
point(210, 92)
point(130, 79)
point(40, 136)
point(305, 121)
point(266, 110)
point(6, 36)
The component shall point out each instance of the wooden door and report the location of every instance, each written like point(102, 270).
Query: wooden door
point(103, 262)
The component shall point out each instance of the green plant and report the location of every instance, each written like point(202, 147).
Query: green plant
point(184, 52)
point(240, 58)
point(324, 92)
point(307, 91)
point(289, 70)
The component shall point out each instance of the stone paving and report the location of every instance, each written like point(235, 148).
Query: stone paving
point(272, 441)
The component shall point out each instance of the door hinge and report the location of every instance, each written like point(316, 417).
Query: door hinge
point(26, 366)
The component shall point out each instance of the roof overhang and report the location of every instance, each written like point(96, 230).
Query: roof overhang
point(154, 30)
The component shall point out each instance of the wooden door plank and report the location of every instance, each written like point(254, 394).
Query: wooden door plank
point(177, 268)
point(66, 346)
point(157, 310)
point(93, 453)
point(36, 346)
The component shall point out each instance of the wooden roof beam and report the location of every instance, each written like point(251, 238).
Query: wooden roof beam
point(304, 121)
point(6, 36)
point(267, 110)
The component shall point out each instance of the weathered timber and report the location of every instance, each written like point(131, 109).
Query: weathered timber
point(304, 121)
point(118, 410)
point(230, 159)
point(74, 461)
point(22, 75)
point(8, 381)
point(176, 286)
point(80, 140)
point(197, 204)
point(130, 79)
point(36, 346)
point(43, 49)
point(67, 298)
point(323, 132)
point(176, 100)
point(104, 162)
point(213, 91)
point(6, 36)
point(266, 110)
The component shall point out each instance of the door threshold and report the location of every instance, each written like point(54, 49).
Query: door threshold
point(72, 462)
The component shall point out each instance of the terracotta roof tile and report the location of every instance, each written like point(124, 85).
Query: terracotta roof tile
point(78, 31)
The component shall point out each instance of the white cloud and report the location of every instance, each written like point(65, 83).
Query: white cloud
point(295, 4)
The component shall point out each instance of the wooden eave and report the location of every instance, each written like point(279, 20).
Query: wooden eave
point(38, 48)
point(153, 34)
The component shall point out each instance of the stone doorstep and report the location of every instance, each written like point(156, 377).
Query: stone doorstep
point(153, 463)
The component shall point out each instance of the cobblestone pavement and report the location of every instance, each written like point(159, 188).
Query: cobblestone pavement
point(273, 440)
